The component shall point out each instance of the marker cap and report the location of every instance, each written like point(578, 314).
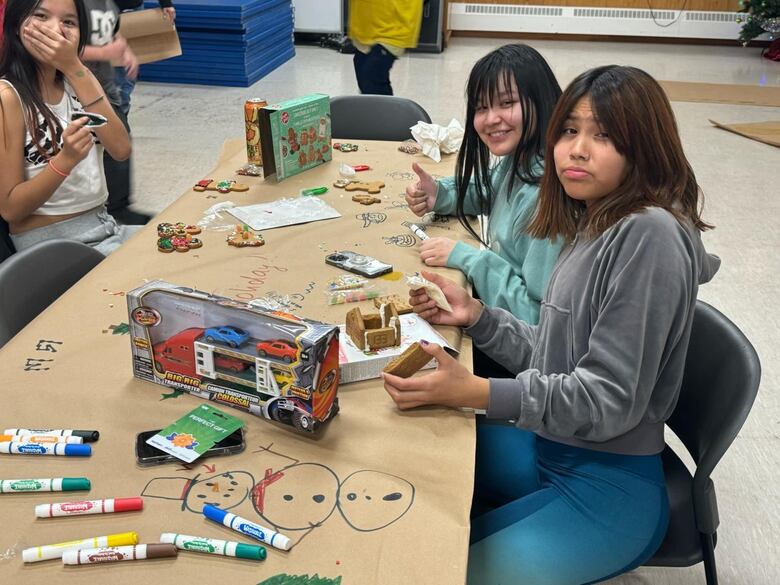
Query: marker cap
point(250, 551)
point(214, 513)
point(128, 504)
point(122, 539)
point(74, 484)
point(88, 436)
point(78, 450)
point(158, 550)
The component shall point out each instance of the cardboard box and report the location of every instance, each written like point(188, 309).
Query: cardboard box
point(272, 364)
point(358, 365)
point(295, 135)
point(151, 36)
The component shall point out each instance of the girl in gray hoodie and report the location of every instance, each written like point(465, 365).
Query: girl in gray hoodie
point(601, 372)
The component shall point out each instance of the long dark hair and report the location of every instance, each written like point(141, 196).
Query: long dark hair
point(21, 70)
point(539, 91)
point(633, 109)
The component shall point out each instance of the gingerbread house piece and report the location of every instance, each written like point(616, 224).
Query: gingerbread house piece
point(375, 330)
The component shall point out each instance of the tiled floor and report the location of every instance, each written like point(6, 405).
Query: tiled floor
point(178, 131)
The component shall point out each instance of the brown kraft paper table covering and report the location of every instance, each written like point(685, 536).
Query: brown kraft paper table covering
point(370, 463)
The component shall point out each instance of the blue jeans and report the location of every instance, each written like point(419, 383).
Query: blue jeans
point(125, 85)
point(551, 514)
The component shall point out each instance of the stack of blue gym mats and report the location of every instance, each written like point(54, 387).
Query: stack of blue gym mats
point(226, 42)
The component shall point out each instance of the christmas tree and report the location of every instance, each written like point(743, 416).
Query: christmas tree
point(762, 16)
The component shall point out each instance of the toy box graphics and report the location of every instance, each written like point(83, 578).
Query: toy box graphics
point(295, 135)
point(272, 364)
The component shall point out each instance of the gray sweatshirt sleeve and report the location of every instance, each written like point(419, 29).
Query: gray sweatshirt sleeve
point(639, 294)
point(509, 339)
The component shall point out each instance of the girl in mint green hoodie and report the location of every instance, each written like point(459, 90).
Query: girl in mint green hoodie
point(510, 95)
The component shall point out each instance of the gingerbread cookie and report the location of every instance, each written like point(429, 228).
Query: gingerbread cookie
point(202, 185)
point(164, 245)
point(366, 199)
point(224, 186)
point(372, 187)
point(410, 361)
point(242, 237)
point(401, 305)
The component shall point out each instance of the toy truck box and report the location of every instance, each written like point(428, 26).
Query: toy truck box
point(295, 135)
point(269, 363)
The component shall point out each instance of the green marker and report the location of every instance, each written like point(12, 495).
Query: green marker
point(315, 191)
point(214, 546)
point(55, 484)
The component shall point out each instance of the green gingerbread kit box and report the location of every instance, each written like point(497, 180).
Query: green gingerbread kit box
point(295, 135)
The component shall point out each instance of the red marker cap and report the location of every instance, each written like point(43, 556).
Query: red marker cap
point(128, 504)
point(361, 167)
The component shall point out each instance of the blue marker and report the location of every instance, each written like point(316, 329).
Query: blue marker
point(17, 448)
point(244, 526)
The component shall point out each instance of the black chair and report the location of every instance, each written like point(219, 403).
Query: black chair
point(722, 374)
point(374, 117)
point(34, 278)
point(6, 245)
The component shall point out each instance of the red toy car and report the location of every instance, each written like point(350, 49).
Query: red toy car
point(230, 363)
point(279, 349)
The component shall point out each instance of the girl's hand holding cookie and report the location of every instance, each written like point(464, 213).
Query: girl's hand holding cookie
point(56, 47)
point(450, 385)
point(465, 309)
point(421, 194)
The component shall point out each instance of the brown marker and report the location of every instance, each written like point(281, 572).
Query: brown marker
point(111, 554)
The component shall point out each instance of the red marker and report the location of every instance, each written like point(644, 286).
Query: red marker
point(108, 506)
point(361, 168)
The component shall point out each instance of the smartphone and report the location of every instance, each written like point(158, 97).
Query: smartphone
point(93, 120)
point(358, 263)
point(145, 454)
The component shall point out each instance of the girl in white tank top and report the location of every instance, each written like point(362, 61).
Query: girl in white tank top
point(52, 166)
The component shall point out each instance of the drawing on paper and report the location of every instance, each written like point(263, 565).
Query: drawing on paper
point(293, 497)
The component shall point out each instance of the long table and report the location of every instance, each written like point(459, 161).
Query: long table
point(379, 496)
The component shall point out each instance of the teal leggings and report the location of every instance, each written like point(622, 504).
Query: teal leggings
point(550, 514)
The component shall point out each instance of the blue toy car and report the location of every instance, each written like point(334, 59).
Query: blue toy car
point(229, 335)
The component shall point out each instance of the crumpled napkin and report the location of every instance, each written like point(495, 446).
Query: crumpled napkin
point(435, 139)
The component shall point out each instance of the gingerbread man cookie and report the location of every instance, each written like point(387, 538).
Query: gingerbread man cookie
point(242, 237)
point(366, 199)
point(372, 187)
point(224, 186)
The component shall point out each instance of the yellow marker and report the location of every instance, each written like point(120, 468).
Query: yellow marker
point(71, 440)
point(55, 551)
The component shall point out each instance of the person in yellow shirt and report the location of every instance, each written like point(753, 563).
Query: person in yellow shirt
point(381, 31)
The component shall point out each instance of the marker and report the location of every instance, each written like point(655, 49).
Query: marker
point(244, 526)
point(417, 230)
point(359, 168)
point(18, 448)
point(88, 556)
point(73, 440)
point(55, 551)
point(315, 191)
point(214, 546)
point(54, 484)
point(108, 506)
point(88, 436)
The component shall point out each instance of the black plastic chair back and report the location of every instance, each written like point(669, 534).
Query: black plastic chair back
point(34, 278)
point(722, 375)
point(374, 117)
